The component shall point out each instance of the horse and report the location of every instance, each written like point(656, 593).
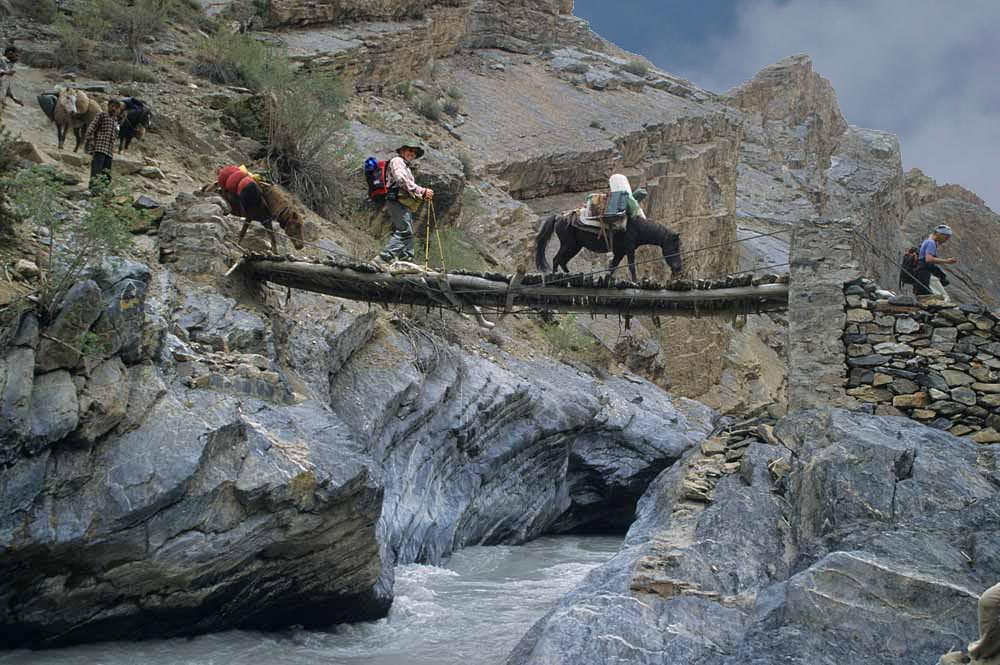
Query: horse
point(264, 203)
point(638, 232)
point(137, 119)
point(74, 110)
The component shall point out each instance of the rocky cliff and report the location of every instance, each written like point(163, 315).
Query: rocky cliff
point(848, 538)
point(235, 457)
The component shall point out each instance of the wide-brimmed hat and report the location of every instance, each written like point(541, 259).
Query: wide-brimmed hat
point(412, 145)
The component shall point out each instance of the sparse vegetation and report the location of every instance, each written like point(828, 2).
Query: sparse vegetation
point(8, 160)
point(458, 254)
point(122, 71)
point(43, 11)
point(303, 117)
point(468, 168)
point(71, 48)
point(636, 68)
point(566, 335)
point(430, 107)
point(577, 68)
point(454, 93)
point(596, 124)
point(296, 115)
point(230, 59)
point(74, 246)
point(450, 107)
point(405, 90)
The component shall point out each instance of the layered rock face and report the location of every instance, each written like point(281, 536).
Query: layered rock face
point(870, 540)
point(222, 464)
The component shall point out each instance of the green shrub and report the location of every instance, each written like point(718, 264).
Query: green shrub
point(230, 59)
point(43, 11)
point(636, 68)
point(568, 336)
point(454, 93)
point(122, 71)
point(458, 254)
point(72, 49)
point(450, 107)
point(405, 90)
point(112, 22)
point(430, 107)
point(303, 119)
point(76, 245)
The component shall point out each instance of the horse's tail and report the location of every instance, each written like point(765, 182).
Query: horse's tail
point(542, 242)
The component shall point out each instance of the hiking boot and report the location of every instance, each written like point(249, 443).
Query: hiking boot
point(380, 262)
point(407, 256)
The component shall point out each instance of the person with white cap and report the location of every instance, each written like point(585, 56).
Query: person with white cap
point(405, 197)
point(620, 183)
point(931, 279)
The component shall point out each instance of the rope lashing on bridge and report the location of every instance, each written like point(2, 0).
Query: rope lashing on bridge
point(500, 293)
point(594, 292)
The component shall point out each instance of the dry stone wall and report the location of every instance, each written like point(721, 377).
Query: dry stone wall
point(939, 364)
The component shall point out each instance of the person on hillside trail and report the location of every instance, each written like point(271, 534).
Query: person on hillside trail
point(404, 199)
point(99, 141)
point(11, 55)
point(931, 280)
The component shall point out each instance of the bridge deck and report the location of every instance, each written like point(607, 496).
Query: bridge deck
point(583, 292)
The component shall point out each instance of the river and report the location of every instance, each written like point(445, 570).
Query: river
point(470, 612)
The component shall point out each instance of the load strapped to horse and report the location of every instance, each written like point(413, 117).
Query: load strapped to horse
point(611, 221)
point(256, 200)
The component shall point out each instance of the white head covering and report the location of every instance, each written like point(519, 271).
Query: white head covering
point(619, 183)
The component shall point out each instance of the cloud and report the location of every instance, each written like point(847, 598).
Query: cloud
point(923, 69)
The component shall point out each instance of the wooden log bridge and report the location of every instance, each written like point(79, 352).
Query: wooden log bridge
point(469, 292)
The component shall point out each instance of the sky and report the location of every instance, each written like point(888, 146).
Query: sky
point(925, 70)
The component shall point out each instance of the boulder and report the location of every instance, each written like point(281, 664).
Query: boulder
point(26, 269)
point(200, 520)
point(62, 341)
point(121, 325)
point(104, 399)
point(884, 515)
point(17, 370)
point(218, 322)
point(54, 409)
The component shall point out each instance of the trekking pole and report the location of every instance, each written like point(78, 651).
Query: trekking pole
point(427, 238)
point(437, 233)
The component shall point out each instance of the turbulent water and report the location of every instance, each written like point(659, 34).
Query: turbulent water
point(472, 611)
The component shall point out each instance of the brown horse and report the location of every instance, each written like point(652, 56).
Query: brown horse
point(264, 203)
point(572, 239)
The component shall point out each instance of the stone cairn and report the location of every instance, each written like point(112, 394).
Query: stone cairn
point(930, 361)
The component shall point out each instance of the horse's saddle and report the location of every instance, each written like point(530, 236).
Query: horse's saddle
point(603, 212)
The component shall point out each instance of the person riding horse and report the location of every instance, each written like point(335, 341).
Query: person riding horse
point(589, 228)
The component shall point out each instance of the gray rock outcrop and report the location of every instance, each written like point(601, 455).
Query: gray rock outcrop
point(869, 541)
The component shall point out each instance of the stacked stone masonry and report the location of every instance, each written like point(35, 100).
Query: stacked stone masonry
point(932, 362)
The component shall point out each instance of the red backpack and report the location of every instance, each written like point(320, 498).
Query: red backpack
point(377, 177)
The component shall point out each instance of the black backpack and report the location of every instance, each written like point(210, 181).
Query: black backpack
point(908, 267)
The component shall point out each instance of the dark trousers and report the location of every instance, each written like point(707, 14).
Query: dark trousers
point(100, 166)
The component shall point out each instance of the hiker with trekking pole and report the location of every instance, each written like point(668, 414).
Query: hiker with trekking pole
point(394, 183)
